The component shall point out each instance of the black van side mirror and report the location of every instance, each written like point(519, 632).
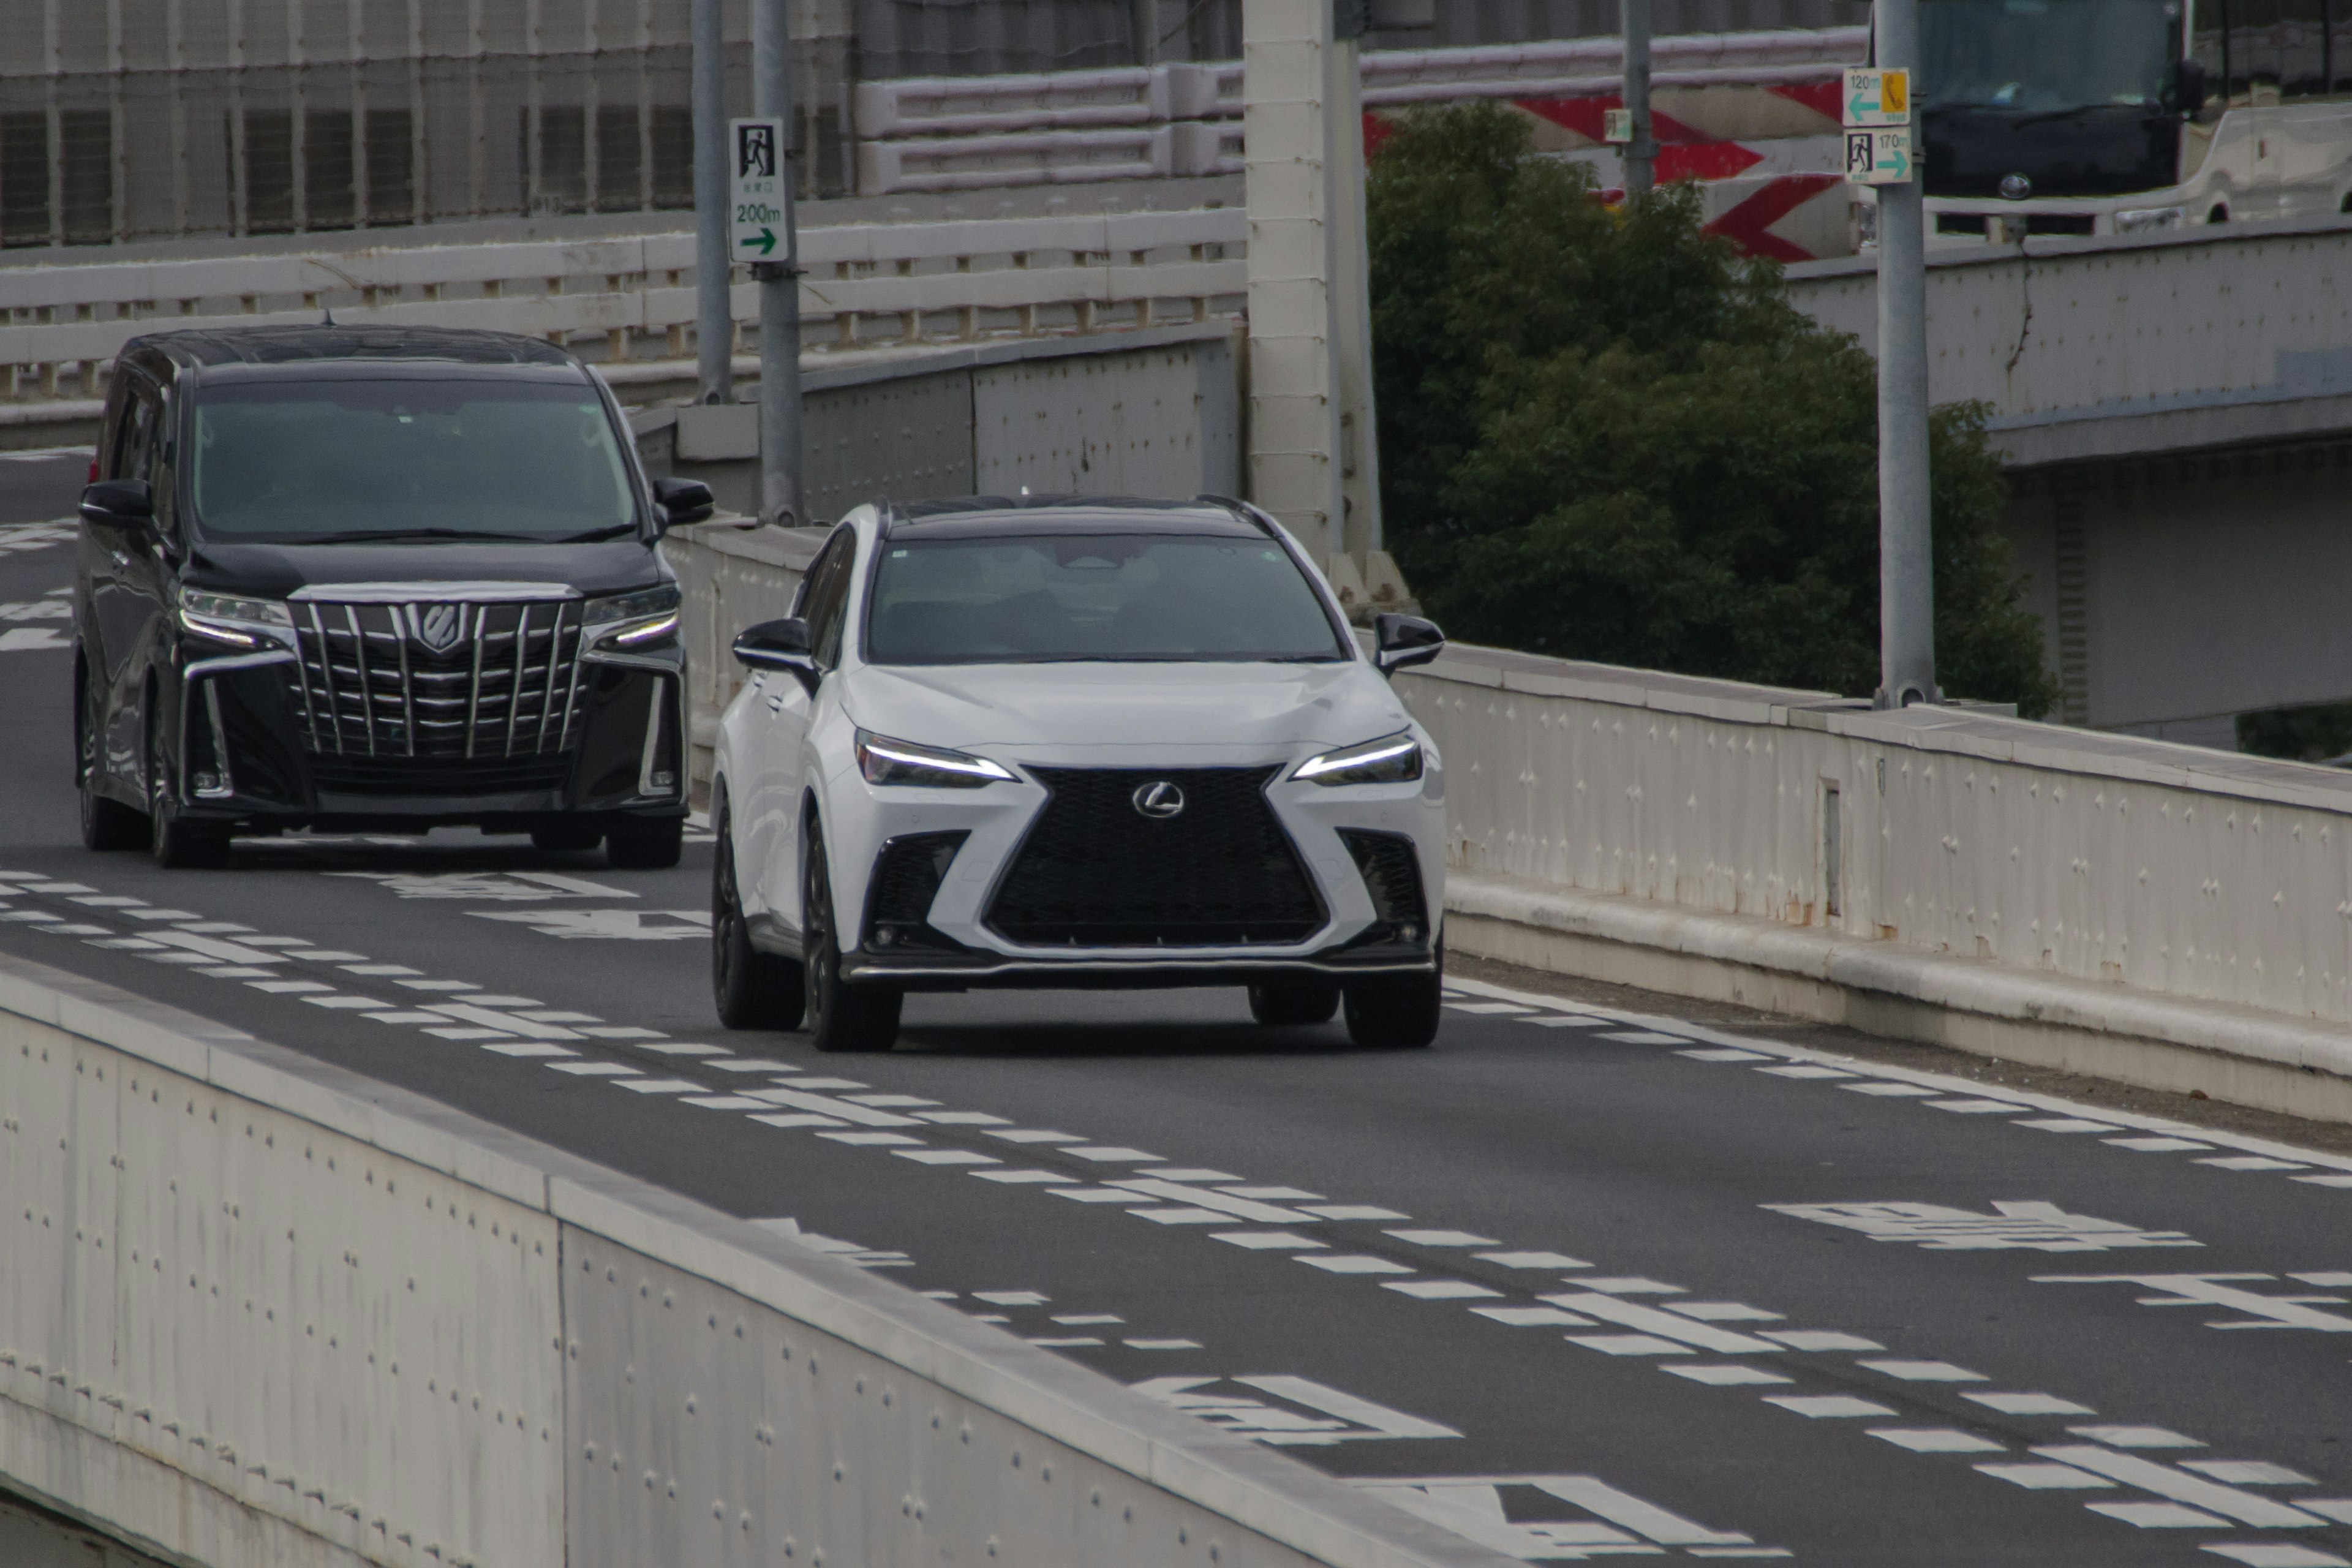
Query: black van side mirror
point(780, 644)
point(683, 501)
point(2188, 87)
point(122, 502)
point(1399, 642)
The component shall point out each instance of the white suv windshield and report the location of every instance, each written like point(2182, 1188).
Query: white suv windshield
point(1065, 596)
point(315, 461)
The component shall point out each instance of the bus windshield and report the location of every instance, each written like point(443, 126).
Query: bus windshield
point(2047, 56)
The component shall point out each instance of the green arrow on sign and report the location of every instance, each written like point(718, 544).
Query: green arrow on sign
point(766, 243)
point(1857, 106)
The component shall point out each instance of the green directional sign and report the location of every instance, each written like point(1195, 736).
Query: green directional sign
point(757, 169)
point(1879, 157)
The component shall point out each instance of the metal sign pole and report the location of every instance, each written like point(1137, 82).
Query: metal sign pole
point(1640, 153)
point(1906, 577)
point(714, 323)
point(779, 279)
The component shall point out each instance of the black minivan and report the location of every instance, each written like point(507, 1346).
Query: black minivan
point(374, 579)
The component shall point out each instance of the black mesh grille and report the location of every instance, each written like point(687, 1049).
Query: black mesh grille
point(1392, 871)
point(401, 775)
point(1096, 872)
point(907, 877)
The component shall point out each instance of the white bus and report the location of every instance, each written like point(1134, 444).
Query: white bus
point(2101, 117)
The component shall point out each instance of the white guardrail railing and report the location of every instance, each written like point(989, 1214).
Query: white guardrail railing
point(627, 301)
point(259, 1310)
point(2162, 913)
point(949, 133)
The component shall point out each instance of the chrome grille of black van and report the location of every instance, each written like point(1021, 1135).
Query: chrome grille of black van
point(504, 683)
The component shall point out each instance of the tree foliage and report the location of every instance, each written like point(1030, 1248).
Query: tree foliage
point(1606, 435)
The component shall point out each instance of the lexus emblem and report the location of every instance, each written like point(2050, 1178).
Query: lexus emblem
point(440, 626)
point(1159, 800)
point(2016, 188)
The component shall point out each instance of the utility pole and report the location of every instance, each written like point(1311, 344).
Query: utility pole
point(1907, 579)
point(779, 280)
point(1641, 154)
point(714, 323)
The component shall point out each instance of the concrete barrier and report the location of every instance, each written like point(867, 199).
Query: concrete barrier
point(261, 1309)
point(2155, 913)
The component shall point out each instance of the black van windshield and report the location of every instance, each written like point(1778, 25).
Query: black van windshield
point(318, 461)
point(1072, 596)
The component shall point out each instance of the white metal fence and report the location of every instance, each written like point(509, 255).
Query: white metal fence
point(622, 301)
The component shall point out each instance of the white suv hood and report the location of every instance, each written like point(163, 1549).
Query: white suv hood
point(1252, 707)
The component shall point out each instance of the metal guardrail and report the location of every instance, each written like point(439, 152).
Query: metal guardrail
point(261, 1309)
point(623, 300)
point(942, 133)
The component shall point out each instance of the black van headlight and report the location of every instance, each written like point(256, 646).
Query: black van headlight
point(235, 620)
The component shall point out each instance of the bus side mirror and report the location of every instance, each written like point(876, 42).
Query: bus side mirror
point(2188, 87)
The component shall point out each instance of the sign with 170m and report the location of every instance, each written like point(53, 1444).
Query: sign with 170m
point(756, 171)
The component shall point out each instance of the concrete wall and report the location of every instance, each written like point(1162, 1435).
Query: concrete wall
point(2177, 915)
point(261, 1310)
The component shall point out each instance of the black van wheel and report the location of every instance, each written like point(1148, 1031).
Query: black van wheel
point(753, 990)
point(105, 824)
point(841, 1016)
point(176, 843)
point(644, 843)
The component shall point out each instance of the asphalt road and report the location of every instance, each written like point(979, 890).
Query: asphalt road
point(1585, 1278)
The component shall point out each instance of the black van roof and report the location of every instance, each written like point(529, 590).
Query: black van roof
point(322, 344)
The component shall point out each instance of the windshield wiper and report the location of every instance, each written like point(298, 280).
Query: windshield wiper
point(378, 535)
point(2043, 116)
point(614, 532)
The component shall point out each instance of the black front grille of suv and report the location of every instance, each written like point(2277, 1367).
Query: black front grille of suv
point(1096, 872)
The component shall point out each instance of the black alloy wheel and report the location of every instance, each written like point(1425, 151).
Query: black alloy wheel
point(1397, 1012)
point(1283, 1003)
point(176, 843)
point(841, 1016)
point(105, 824)
point(753, 990)
point(580, 834)
point(644, 843)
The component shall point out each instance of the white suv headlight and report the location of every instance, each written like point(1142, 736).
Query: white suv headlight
point(240, 622)
point(1391, 759)
point(887, 762)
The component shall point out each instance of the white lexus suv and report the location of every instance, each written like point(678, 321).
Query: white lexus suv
point(1074, 742)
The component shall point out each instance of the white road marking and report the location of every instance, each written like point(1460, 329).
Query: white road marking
point(660, 1085)
point(1440, 1289)
point(1269, 1240)
point(2153, 1145)
point(1161, 1344)
point(1115, 1154)
point(1828, 1407)
point(1632, 1286)
point(1020, 1178)
point(721, 1102)
point(1818, 1339)
point(2253, 1162)
point(2278, 1554)
point(1663, 1324)
point(1805, 1069)
point(2038, 1226)
point(2048, 1478)
point(1924, 1371)
point(888, 1139)
point(1936, 1440)
point(2028, 1404)
point(1352, 1263)
point(1724, 1311)
point(34, 640)
point(1034, 1135)
point(1335, 1417)
point(1608, 1522)
point(1533, 1260)
point(862, 1115)
point(1442, 1238)
point(1538, 1317)
point(1724, 1375)
point(595, 1070)
point(1647, 1038)
point(2157, 1515)
point(2136, 1436)
point(2248, 1472)
point(2064, 1124)
point(1888, 1091)
point(1722, 1054)
point(1352, 1211)
point(607, 925)
point(945, 1156)
point(2245, 1507)
point(850, 1251)
point(508, 1047)
point(2260, 1311)
point(1628, 1344)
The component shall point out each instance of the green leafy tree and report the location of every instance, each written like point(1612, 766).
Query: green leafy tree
point(1606, 435)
